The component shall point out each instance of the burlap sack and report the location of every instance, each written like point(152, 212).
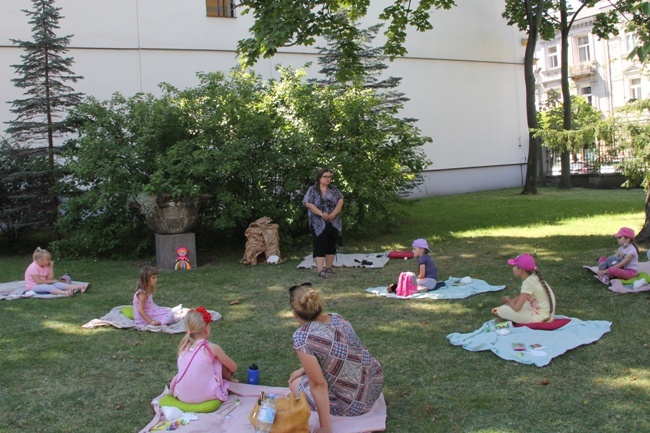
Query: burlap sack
point(262, 239)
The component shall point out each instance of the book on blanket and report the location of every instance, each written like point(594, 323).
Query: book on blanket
point(519, 347)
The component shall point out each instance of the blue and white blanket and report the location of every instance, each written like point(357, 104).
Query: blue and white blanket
point(451, 290)
point(540, 347)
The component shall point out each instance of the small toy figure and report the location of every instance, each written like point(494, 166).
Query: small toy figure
point(182, 261)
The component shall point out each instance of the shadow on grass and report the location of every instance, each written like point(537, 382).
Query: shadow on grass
point(103, 380)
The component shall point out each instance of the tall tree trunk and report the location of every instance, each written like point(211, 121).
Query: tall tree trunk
point(541, 166)
point(565, 177)
point(534, 20)
point(644, 235)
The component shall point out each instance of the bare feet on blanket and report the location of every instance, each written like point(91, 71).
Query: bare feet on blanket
point(85, 287)
point(70, 292)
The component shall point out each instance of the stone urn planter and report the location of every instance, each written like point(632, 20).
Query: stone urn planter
point(171, 220)
point(166, 215)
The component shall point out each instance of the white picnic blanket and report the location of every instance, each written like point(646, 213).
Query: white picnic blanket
point(117, 319)
point(373, 421)
point(373, 260)
point(14, 290)
point(540, 347)
point(618, 286)
point(451, 290)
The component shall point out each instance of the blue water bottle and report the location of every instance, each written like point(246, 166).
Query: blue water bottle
point(253, 375)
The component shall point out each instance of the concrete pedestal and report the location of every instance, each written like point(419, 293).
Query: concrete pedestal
point(166, 246)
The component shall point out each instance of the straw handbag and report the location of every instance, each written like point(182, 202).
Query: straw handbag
point(291, 416)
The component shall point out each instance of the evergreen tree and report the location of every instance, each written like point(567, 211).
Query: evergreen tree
point(400, 133)
point(43, 73)
point(28, 170)
point(371, 63)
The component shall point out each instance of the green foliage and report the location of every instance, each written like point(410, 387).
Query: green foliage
point(530, 15)
point(628, 131)
point(246, 146)
point(28, 165)
point(28, 200)
point(43, 73)
point(282, 23)
point(584, 121)
point(632, 16)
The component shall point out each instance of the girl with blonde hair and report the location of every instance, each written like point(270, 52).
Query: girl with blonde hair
point(204, 369)
point(39, 277)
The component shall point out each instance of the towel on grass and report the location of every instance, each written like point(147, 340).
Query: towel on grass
point(448, 291)
point(117, 319)
point(618, 286)
point(375, 260)
point(551, 343)
point(14, 290)
point(373, 421)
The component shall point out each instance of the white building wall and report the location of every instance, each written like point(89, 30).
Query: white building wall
point(464, 78)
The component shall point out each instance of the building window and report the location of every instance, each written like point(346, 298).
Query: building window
point(551, 56)
point(585, 92)
point(220, 8)
point(635, 89)
point(630, 41)
point(583, 49)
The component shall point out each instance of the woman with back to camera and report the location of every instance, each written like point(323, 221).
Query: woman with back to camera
point(324, 202)
point(339, 376)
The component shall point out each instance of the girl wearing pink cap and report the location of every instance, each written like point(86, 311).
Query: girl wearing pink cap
point(628, 253)
point(535, 303)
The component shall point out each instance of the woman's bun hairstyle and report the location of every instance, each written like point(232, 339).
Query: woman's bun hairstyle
point(306, 302)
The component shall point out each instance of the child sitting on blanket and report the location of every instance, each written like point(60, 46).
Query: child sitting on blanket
point(204, 369)
point(145, 310)
point(628, 255)
point(39, 277)
point(426, 278)
point(535, 303)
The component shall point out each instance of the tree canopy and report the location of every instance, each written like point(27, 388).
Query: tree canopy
point(283, 23)
point(634, 17)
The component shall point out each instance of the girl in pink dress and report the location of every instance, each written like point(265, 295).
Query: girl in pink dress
point(145, 310)
point(204, 369)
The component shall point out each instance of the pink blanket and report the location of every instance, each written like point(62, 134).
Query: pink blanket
point(373, 421)
point(618, 286)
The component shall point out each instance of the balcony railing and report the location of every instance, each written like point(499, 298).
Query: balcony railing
point(582, 70)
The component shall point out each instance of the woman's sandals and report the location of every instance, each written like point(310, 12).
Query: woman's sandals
point(326, 273)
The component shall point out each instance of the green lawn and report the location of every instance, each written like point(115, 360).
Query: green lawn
point(57, 377)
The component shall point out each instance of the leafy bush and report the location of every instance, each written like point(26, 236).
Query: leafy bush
point(247, 146)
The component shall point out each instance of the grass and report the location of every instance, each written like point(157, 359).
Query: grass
point(58, 377)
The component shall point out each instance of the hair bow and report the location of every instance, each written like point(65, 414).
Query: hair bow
point(207, 317)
